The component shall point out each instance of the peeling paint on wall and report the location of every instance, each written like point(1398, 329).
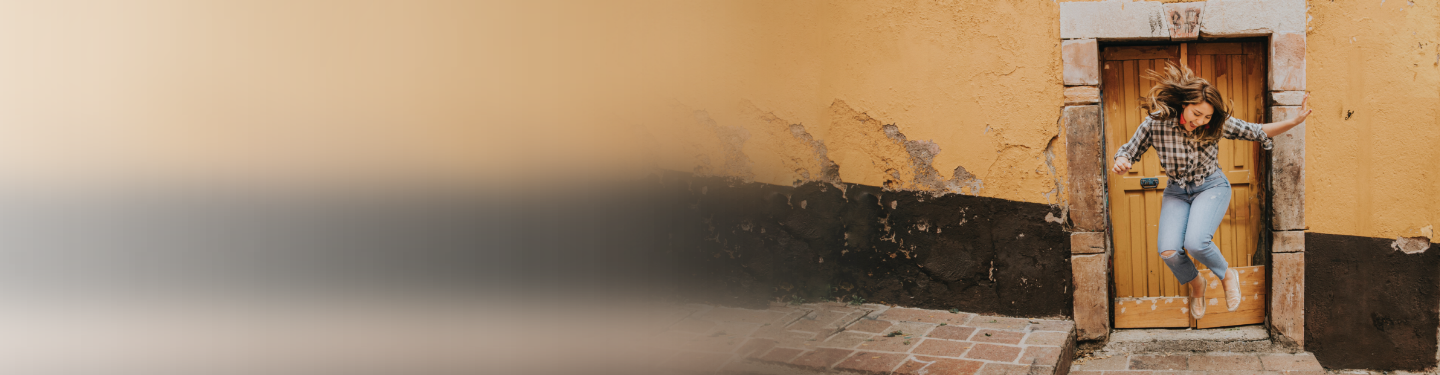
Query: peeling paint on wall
point(829, 172)
point(881, 154)
point(1056, 196)
point(732, 139)
point(800, 156)
point(1411, 245)
point(962, 181)
point(871, 152)
point(922, 153)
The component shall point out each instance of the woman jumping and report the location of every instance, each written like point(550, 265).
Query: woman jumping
point(1187, 119)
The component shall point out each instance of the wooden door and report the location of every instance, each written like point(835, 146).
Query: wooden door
point(1147, 294)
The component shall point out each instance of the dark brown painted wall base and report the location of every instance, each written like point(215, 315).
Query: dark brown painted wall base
point(755, 242)
point(1368, 305)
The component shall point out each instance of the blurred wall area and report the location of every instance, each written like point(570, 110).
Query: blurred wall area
point(311, 186)
point(526, 105)
point(236, 93)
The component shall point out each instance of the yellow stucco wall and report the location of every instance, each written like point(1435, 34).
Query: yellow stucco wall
point(977, 84)
point(1376, 173)
point(529, 90)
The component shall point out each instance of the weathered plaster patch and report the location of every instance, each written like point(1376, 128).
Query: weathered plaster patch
point(1058, 194)
point(875, 153)
point(869, 157)
point(829, 171)
point(922, 154)
point(963, 182)
point(733, 161)
point(1411, 245)
point(783, 151)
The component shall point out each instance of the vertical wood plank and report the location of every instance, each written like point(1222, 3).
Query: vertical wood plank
point(1233, 224)
point(1117, 133)
point(1137, 240)
point(1255, 81)
point(1151, 160)
point(1230, 249)
point(1244, 99)
point(1154, 267)
point(1136, 204)
point(1246, 241)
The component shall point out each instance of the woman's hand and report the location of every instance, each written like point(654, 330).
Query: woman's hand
point(1122, 165)
point(1274, 129)
point(1304, 109)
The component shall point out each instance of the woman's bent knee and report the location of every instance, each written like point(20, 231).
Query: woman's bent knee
point(1199, 244)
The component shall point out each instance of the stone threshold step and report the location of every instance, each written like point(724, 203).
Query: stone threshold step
point(1244, 339)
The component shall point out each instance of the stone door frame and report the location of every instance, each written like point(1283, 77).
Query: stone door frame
point(1083, 26)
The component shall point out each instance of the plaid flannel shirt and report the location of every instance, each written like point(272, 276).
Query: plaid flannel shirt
point(1187, 159)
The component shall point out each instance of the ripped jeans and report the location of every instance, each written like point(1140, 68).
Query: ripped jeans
point(1189, 216)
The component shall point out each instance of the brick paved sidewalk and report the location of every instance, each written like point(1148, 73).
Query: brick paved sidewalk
point(869, 338)
point(1199, 364)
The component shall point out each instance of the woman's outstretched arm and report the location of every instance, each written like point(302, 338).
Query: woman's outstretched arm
point(1276, 128)
point(1132, 150)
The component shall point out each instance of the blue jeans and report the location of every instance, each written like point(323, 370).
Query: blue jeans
point(1189, 216)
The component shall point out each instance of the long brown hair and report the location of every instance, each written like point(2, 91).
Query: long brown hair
point(1178, 87)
